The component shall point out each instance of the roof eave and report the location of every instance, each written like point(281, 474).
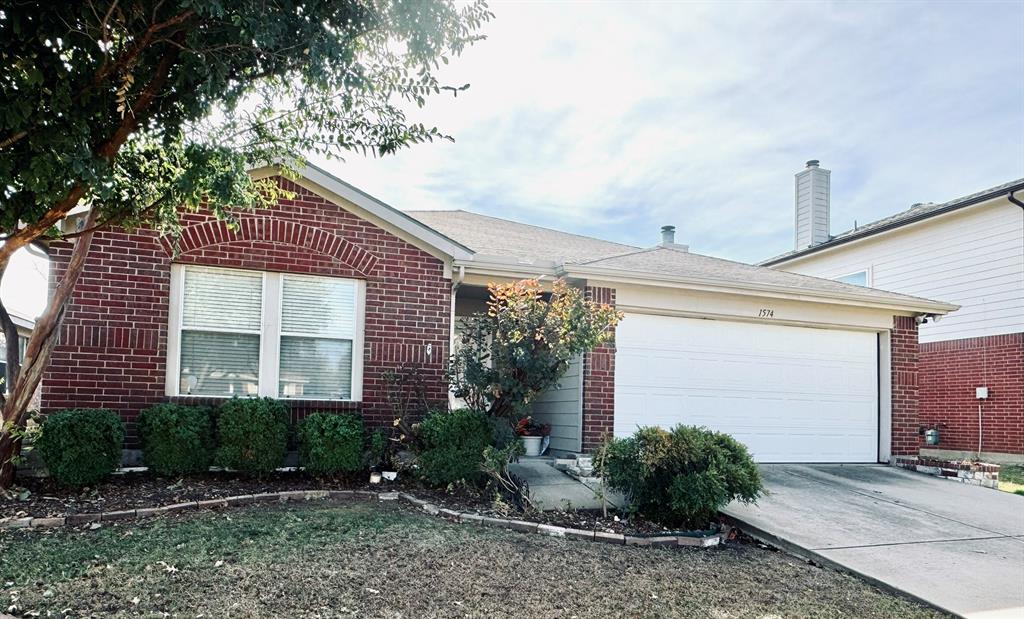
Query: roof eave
point(915, 306)
point(377, 208)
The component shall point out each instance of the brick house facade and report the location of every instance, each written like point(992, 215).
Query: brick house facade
point(599, 382)
point(113, 346)
point(121, 348)
point(951, 370)
point(905, 386)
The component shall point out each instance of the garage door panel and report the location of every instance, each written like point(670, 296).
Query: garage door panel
point(790, 394)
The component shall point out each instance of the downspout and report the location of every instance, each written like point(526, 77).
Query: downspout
point(456, 283)
point(1013, 199)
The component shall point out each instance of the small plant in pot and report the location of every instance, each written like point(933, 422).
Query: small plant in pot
point(531, 435)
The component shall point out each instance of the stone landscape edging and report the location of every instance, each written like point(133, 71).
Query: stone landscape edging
point(450, 515)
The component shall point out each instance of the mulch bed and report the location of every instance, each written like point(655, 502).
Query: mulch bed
point(43, 498)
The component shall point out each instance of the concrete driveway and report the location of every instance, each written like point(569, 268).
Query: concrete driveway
point(955, 546)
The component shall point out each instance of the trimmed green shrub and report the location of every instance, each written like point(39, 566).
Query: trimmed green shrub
point(176, 439)
point(81, 446)
point(681, 477)
point(452, 446)
point(252, 435)
point(331, 443)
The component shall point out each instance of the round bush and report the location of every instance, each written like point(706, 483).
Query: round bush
point(252, 435)
point(331, 443)
point(176, 439)
point(682, 477)
point(81, 446)
point(453, 446)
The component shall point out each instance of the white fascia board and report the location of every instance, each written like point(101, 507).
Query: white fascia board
point(909, 306)
point(502, 266)
point(388, 217)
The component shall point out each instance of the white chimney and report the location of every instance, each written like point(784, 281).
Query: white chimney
point(812, 204)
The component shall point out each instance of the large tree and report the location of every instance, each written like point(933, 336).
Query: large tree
point(133, 110)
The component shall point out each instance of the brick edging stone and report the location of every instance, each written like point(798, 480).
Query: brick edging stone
point(467, 518)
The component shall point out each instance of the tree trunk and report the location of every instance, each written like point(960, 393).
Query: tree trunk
point(37, 355)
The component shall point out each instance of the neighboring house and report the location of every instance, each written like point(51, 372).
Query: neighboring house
point(968, 251)
point(313, 301)
point(25, 326)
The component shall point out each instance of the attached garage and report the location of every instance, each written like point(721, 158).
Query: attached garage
point(800, 369)
point(791, 394)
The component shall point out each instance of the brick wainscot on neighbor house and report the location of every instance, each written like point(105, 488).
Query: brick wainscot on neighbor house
point(969, 251)
point(314, 300)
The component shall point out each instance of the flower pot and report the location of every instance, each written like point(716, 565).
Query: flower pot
point(531, 444)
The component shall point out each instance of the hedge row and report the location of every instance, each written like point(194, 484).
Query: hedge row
point(81, 447)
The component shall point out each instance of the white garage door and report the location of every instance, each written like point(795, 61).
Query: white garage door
point(791, 394)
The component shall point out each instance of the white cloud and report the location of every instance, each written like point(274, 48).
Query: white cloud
point(612, 119)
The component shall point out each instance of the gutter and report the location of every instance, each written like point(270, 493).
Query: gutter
point(898, 224)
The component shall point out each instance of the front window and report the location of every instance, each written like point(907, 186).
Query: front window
point(221, 327)
point(247, 333)
point(860, 278)
point(317, 329)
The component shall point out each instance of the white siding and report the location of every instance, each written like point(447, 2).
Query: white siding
point(973, 257)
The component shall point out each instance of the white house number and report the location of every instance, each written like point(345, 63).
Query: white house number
point(766, 313)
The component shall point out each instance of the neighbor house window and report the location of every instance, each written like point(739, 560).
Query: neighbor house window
point(22, 347)
point(860, 278)
point(248, 333)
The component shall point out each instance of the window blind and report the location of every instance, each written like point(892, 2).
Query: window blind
point(318, 306)
point(316, 368)
point(217, 299)
point(222, 364)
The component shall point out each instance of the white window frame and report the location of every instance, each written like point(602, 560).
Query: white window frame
point(270, 337)
point(867, 277)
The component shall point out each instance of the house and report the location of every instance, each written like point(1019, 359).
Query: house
point(315, 300)
point(969, 251)
point(24, 325)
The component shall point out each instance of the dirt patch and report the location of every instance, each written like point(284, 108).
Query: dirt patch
point(387, 561)
point(43, 498)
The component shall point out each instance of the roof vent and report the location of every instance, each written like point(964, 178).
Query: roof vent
point(813, 163)
point(668, 235)
point(668, 239)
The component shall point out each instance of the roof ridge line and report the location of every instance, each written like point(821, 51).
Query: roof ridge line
point(520, 223)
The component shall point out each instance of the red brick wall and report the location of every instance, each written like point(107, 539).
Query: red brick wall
point(113, 344)
point(599, 382)
point(950, 372)
point(905, 399)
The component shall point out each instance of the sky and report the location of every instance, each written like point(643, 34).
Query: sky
point(613, 119)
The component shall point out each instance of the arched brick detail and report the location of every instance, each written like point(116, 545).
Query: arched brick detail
point(199, 236)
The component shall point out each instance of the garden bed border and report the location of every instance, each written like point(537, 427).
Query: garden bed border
point(467, 518)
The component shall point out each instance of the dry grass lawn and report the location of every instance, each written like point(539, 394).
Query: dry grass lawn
point(365, 560)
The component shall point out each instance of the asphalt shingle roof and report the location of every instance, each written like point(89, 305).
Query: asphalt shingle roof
point(523, 242)
point(676, 263)
point(501, 237)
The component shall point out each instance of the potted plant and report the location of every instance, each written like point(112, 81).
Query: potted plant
point(532, 434)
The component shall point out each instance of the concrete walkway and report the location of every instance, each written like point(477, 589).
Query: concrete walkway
point(955, 546)
point(553, 490)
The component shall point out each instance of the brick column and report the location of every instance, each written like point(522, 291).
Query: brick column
point(904, 354)
point(599, 382)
